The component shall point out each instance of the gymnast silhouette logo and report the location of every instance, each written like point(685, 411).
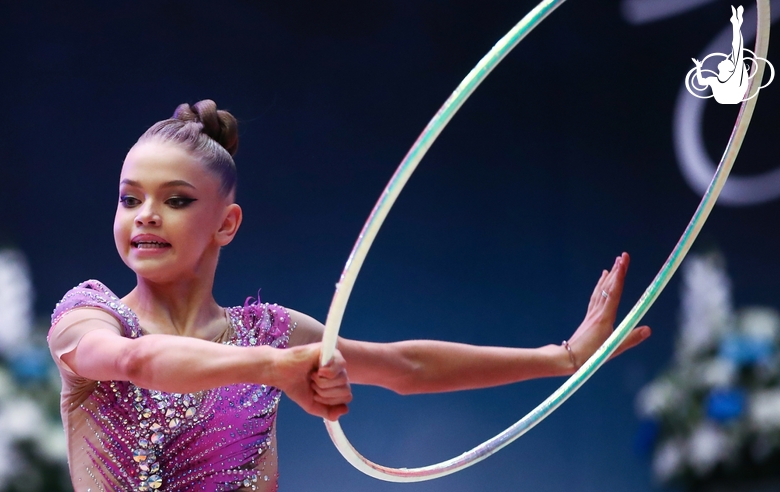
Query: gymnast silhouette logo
point(730, 83)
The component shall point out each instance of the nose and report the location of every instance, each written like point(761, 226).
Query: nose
point(147, 216)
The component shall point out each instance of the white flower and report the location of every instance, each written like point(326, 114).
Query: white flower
point(658, 396)
point(707, 447)
point(21, 419)
point(761, 323)
point(16, 296)
point(716, 373)
point(707, 310)
point(52, 443)
point(764, 409)
point(668, 460)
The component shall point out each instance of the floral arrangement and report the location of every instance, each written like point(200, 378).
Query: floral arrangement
point(714, 414)
point(32, 442)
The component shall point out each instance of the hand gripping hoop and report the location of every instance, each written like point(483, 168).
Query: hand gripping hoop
point(401, 176)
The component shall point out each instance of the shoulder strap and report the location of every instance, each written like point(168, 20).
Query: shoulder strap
point(92, 293)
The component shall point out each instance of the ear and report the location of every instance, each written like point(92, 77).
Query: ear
point(230, 224)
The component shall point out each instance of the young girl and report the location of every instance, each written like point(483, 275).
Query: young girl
point(163, 389)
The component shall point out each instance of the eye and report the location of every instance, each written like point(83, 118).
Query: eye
point(179, 201)
point(128, 201)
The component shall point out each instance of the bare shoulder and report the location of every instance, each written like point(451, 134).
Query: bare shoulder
point(307, 329)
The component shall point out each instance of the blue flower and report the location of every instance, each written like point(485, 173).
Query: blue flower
point(743, 350)
point(646, 436)
point(31, 365)
point(725, 405)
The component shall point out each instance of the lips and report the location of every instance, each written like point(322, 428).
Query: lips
point(149, 241)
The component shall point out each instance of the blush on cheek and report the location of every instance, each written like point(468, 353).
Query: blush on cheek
point(121, 236)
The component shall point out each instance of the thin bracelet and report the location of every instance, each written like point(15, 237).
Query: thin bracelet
point(566, 345)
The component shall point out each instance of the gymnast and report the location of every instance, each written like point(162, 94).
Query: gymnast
point(163, 389)
point(732, 81)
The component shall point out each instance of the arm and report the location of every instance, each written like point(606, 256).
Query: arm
point(424, 366)
point(181, 364)
point(701, 80)
point(427, 366)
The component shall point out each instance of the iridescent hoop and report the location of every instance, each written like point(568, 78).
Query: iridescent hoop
point(401, 176)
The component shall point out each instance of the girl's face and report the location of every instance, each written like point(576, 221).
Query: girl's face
point(171, 220)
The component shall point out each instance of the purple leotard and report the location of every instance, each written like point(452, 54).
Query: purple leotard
point(122, 437)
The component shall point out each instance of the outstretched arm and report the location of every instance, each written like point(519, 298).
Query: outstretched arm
point(702, 81)
point(425, 366)
point(181, 364)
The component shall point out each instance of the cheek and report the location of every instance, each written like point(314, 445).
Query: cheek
point(203, 232)
point(191, 230)
point(207, 221)
point(121, 225)
point(119, 237)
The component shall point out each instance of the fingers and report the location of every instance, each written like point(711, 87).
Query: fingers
point(330, 403)
point(608, 282)
point(332, 396)
point(322, 391)
point(332, 375)
point(599, 322)
point(614, 289)
point(332, 392)
point(336, 365)
point(594, 298)
point(330, 383)
point(637, 336)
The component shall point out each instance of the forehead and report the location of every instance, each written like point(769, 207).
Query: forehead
point(152, 163)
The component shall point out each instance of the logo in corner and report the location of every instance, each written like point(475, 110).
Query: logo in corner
point(730, 83)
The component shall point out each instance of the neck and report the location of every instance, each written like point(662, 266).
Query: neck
point(182, 307)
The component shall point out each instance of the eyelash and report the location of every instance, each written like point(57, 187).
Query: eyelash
point(124, 199)
point(182, 201)
point(175, 202)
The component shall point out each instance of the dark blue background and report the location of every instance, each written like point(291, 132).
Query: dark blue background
point(560, 161)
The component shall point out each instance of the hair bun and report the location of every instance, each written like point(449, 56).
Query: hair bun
point(217, 124)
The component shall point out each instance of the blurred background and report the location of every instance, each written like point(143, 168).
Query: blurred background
point(582, 144)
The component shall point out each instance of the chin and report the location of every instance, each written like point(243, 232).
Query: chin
point(157, 272)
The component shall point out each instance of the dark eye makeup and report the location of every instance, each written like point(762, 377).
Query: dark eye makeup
point(128, 201)
point(179, 201)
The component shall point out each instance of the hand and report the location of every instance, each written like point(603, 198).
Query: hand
point(696, 62)
point(330, 383)
point(600, 318)
point(321, 391)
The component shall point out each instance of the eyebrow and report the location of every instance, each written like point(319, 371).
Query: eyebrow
point(169, 184)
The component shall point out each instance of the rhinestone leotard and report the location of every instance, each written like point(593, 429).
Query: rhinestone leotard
point(122, 437)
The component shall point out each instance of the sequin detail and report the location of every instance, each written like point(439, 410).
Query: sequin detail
point(216, 440)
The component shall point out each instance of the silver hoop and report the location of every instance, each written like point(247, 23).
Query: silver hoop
point(589, 367)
